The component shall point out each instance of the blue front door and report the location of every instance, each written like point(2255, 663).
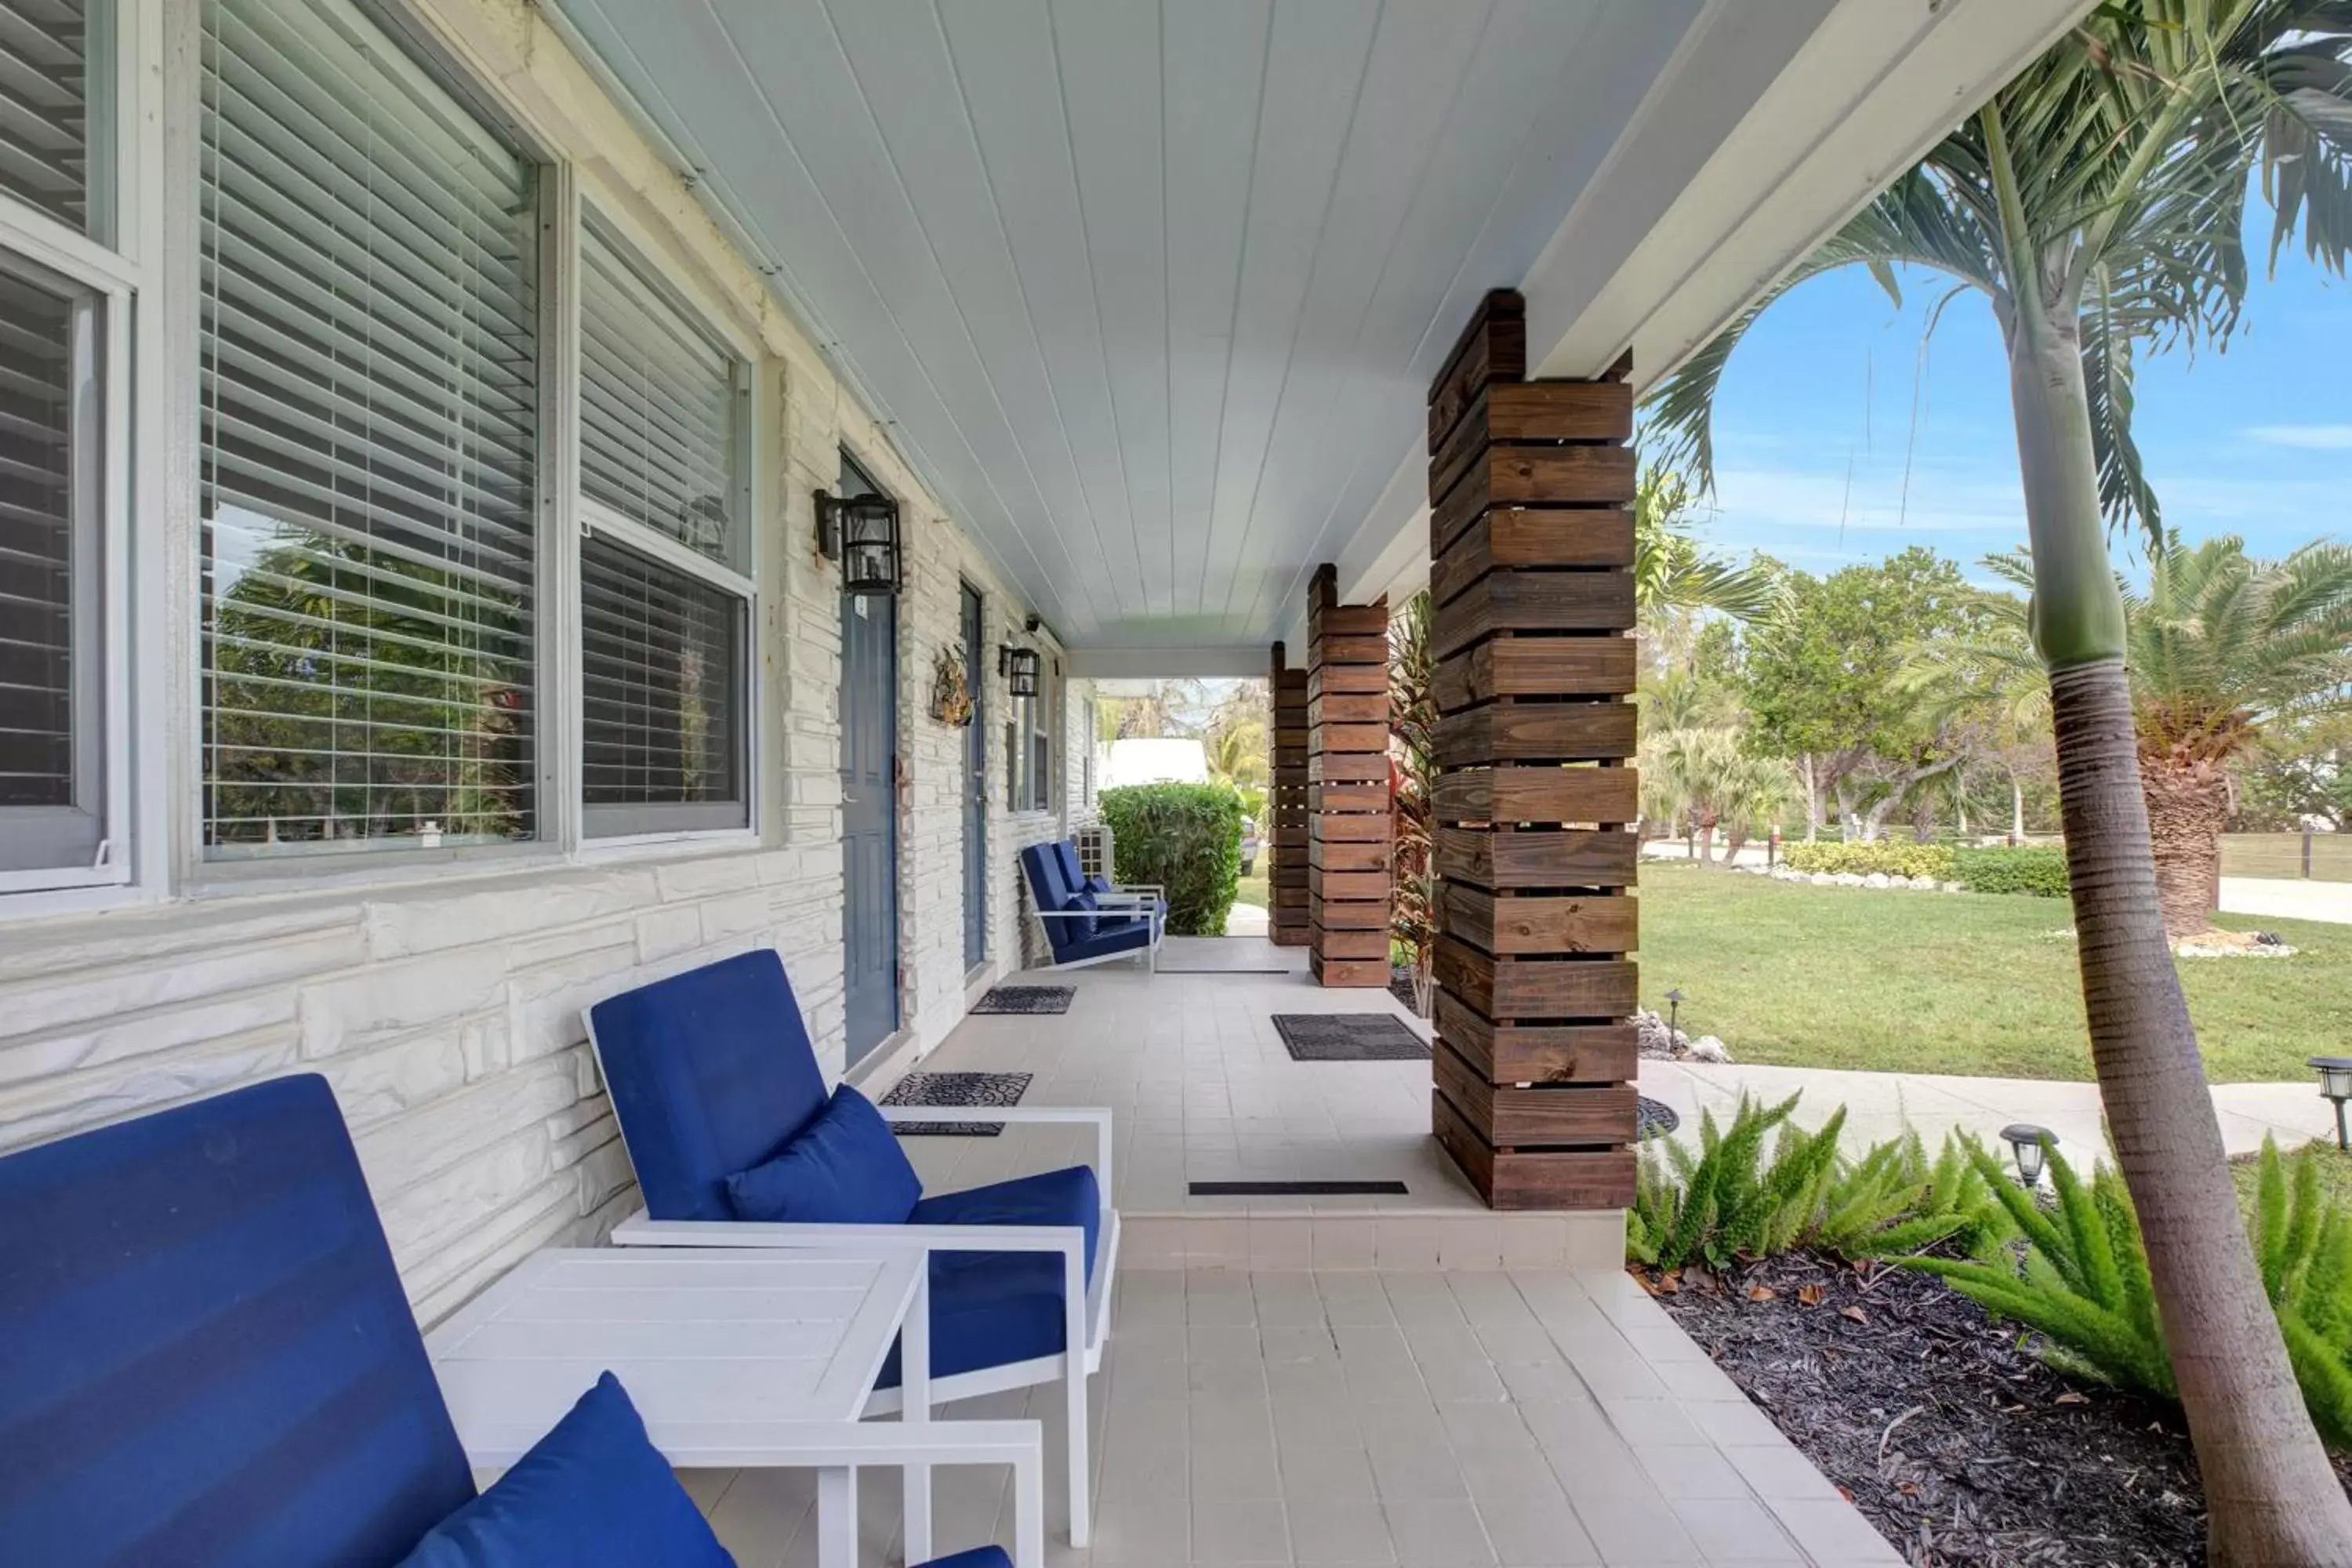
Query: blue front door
point(869, 815)
point(975, 787)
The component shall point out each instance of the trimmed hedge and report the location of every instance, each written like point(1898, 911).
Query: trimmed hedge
point(2037, 870)
point(1185, 836)
point(1887, 857)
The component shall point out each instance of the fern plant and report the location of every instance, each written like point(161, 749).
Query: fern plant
point(2081, 1280)
point(1728, 1200)
point(2305, 1254)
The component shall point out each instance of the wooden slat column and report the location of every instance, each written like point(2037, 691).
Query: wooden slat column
point(1347, 785)
point(1531, 545)
point(1286, 807)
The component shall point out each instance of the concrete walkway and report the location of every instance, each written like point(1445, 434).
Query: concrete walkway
point(1880, 1105)
point(2330, 901)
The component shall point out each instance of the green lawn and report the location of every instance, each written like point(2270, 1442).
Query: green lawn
point(1960, 983)
point(1251, 889)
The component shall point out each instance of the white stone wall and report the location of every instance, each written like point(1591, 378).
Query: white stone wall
point(444, 1006)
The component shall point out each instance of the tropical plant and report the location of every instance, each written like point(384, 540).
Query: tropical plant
point(1671, 571)
point(1729, 1200)
point(1187, 837)
point(1413, 725)
point(2081, 1280)
point(2222, 647)
point(1704, 777)
point(2098, 202)
point(1237, 753)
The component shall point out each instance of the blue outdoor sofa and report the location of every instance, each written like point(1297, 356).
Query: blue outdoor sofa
point(208, 1362)
point(1086, 919)
point(738, 1142)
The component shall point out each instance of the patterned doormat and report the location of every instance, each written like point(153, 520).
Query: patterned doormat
point(957, 1089)
point(1654, 1118)
point(1348, 1037)
point(1033, 999)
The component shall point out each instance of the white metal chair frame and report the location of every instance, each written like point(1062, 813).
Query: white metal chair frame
point(1142, 899)
point(1085, 1303)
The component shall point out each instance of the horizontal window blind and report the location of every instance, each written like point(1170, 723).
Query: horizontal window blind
point(658, 407)
point(36, 545)
point(45, 107)
point(370, 390)
point(661, 692)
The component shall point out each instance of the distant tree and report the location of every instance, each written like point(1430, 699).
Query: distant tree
point(1825, 680)
point(2300, 771)
point(1412, 723)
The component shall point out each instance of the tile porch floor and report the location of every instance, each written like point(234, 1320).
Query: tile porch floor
point(1537, 1419)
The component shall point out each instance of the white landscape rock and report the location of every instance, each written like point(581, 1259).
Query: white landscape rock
point(1878, 879)
point(1823, 879)
point(1708, 1049)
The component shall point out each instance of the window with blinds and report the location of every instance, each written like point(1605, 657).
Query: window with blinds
point(664, 601)
point(53, 119)
point(660, 695)
point(50, 446)
point(660, 406)
point(369, 426)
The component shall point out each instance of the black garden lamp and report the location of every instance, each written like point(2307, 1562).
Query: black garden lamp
point(1674, 1011)
point(861, 534)
point(2335, 1084)
point(2028, 1145)
point(1019, 667)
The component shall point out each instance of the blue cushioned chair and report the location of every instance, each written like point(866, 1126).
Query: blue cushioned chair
point(208, 1358)
point(1086, 920)
point(712, 1073)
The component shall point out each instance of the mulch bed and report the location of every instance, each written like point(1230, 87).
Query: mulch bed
point(1949, 1434)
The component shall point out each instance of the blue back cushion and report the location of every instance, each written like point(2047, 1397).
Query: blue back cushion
point(592, 1493)
point(711, 1072)
point(207, 1357)
point(1051, 885)
point(845, 1168)
point(1066, 853)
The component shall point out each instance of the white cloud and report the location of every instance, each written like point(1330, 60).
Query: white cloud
point(2311, 437)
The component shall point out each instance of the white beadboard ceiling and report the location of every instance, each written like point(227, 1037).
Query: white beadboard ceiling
point(1151, 291)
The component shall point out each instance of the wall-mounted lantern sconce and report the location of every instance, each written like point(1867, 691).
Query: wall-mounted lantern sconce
point(1019, 667)
point(861, 535)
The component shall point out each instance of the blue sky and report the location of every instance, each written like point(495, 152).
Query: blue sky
point(1815, 425)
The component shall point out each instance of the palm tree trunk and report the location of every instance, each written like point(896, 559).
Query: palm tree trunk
point(1813, 800)
point(2016, 809)
point(2188, 806)
point(2272, 1496)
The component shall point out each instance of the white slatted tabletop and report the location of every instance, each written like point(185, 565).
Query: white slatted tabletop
point(731, 1335)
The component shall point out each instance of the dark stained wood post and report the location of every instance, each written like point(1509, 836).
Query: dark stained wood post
point(1285, 828)
point(1349, 823)
point(1531, 547)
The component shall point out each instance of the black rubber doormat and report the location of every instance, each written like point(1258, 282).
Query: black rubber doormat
point(1298, 1189)
point(964, 1090)
point(1654, 1118)
point(1348, 1037)
point(1033, 999)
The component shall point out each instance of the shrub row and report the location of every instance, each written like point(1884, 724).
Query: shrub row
point(2038, 870)
point(1185, 836)
point(1888, 856)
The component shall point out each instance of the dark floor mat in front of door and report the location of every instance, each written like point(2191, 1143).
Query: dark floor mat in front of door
point(1654, 1118)
point(1348, 1037)
point(1033, 999)
point(962, 1089)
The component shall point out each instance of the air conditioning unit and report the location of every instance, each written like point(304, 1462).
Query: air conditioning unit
point(1094, 850)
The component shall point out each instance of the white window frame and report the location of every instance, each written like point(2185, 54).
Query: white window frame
point(201, 874)
point(604, 830)
point(113, 279)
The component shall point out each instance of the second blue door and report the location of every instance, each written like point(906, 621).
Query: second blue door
point(869, 814)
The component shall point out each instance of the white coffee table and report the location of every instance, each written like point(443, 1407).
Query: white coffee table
point(734, 1358)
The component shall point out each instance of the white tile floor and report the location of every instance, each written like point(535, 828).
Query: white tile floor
point(1541, 1419)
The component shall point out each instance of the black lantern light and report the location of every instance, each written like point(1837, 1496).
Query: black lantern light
point(2030, 1145)
point(2335, 1084)
point(1674, 1014)
point(1019, 667)
point(860, 533)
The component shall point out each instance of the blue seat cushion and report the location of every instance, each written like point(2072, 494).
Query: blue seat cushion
point(978, 1557)
point(988, 1308)
point(844, 1168)
point(1112, 933)
point(594, 1491)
